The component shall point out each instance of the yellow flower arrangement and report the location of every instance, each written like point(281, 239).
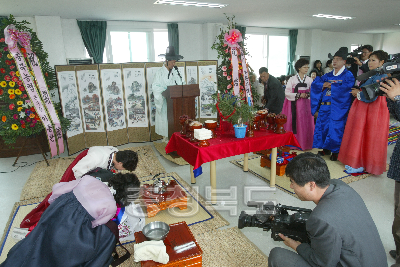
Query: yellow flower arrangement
point(12, 96)
point(3, 84)
point(19, 103)
point(4, 118)
point(11, 91)
point(12, 84)
point(17, 73)
point(32, 116)
point(14, 127)
point(18, 92)
point(9, 56)
point(19, 109)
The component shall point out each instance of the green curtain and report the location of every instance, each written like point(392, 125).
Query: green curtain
point(242, 30)
point(173, 36)
point(292, 50)
point(94, 37)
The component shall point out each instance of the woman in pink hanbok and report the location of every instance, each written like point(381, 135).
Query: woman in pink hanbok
point(297, 105)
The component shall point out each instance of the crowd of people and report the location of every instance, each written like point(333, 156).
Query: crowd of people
point(94, 206)
point(350, 127)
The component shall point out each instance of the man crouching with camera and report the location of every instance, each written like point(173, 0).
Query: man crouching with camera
point(340, 228)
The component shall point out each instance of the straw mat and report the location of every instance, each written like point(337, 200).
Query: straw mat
point(336, 169)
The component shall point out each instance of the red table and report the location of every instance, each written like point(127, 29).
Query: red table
point(226, 145)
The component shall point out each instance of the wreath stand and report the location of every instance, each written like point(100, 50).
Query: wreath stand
point(37, 143)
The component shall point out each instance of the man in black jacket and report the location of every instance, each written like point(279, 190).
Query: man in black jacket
point(341, 229)
point(360, 65)
point(274, 95)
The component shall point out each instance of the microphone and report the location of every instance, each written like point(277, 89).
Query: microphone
point(176, 68)
point(366, 75)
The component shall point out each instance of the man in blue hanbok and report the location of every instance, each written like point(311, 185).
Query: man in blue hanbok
point(331, 98)
point(167, 75)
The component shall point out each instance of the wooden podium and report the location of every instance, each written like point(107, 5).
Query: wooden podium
point(180, 101)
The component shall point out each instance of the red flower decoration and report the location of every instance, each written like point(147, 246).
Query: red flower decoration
point(24, 96)
point(5, 48)
point(7, 78)
point(21, 88)
point(23, 126)
point(28, 119)
point(12, 96)
point(15, 116)
point(23, 50)
point(46, 74)
point(12, 67)
point(20, 83)
point(1, 55)
point(1, 91)
point(12, 73)
point(22, 121)
point(2, 70)
point(32, 109)
point(11, 106)
point(2, 40)
point(8, 62)
point(32, 125)
point(15, 79)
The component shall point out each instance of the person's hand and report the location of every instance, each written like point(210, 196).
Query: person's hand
point(357, 61)
point(303, 95)
point(354, 91)
point(263, 100)
point(289, 242)
point(391, 88)
point(326, 85)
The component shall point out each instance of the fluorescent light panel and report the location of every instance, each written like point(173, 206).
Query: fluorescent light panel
point(185, 3)
point(331, 16)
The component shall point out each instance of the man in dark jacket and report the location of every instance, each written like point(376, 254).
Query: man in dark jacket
point(340, 228)
point(360, 65)
point(274, 95)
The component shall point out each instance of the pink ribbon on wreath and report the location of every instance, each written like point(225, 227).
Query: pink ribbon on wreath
point(12, 37)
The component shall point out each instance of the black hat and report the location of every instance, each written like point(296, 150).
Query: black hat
point(342, 52)
point(170, 54)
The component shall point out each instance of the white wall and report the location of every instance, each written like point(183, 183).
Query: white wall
point(391, 43)
point(73, 43)
point(50, 33)
point(191, 41)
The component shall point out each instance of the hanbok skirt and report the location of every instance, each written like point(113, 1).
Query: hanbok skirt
point(365, 137)
point(64, 237)
point(305, 121)
point(33, 217)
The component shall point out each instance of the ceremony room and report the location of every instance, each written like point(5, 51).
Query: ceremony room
point(167, 84)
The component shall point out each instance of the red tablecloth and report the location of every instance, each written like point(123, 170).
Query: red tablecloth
point(227, 145)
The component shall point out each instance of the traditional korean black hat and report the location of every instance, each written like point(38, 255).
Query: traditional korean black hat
point(170, 54)
point(343, 52)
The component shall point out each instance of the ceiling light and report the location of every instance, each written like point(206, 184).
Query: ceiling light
point(331, 16)
point(184, 3)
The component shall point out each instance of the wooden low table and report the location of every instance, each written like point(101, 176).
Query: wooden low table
point(182, 247)
point(173, 197)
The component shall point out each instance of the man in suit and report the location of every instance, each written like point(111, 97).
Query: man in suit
point(274, 94)
point(360, 65)
point(340, 228)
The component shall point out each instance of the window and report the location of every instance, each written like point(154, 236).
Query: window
point(268, 51)
point(136, 46)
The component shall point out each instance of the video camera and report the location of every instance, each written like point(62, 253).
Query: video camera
point(277, 219)
point(372, 90)
point(355, 53)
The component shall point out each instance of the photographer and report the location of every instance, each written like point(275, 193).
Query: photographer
point(392, 90)
point(340, 234)
point(360, 65)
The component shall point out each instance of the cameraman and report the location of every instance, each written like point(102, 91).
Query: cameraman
point(392, 90)
point(360, 65)
point(340, 228)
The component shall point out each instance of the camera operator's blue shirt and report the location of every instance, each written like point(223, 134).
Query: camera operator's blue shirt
point(371, 80)
point(333, 106)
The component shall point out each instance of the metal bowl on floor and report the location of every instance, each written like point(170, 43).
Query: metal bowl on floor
point(156, 230)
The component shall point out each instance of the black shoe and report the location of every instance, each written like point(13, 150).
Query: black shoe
point(334, 156)
point(324, 152)
point(393, 254)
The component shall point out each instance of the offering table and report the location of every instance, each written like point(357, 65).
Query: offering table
point(226, 145)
